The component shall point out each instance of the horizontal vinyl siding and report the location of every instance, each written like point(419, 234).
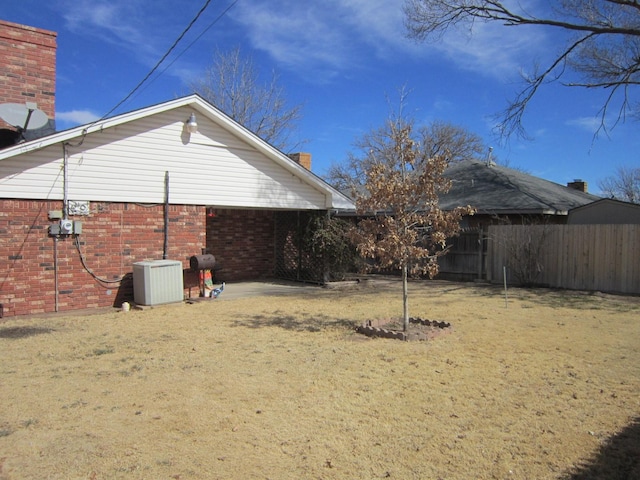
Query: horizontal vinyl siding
point(35, 175)
point(127, 163)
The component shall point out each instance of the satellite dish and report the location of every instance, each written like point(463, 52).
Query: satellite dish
point(23, 117)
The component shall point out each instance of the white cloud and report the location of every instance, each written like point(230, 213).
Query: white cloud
point(317, 39)
point(495, 50)
point(327, 37)
point(113, 21)
point(144, 30)
point(107, 16)
point(379, 24)
point(491, 49)
point(141, 29)
point(76, 117)
point(294, 35)
point(589, 124)
point(332, 36)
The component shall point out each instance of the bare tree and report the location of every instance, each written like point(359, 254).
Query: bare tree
point(233, 85)
point(437, 139)
point(524, 249)
point(404, 225)
point(453, 141)
point(624, 185)
point(603, 48)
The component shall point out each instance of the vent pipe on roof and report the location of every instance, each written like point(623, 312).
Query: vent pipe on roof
point(489, 161)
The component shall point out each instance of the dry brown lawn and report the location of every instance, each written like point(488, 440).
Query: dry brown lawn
point(280, 387)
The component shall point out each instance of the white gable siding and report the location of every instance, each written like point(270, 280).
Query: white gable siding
point(37, 175)
point(127, 163)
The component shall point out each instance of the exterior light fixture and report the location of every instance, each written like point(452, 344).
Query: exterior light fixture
point(191, 124)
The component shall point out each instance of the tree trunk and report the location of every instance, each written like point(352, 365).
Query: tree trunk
point(405, 300)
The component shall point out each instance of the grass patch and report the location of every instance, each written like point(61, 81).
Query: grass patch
point(282, 387)
point(102, 351)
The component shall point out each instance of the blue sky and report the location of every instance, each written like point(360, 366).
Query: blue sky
point(342, 59)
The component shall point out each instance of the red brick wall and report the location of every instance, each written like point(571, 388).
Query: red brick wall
point(27, 66)
point(243, 243)
point(114, 236)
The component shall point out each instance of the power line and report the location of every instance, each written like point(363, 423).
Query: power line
point(157, 65)
point(224, 12)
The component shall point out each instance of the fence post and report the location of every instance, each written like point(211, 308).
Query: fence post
point(480, 252)
point(504, 275)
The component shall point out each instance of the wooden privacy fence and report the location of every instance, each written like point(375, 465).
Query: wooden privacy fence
point(581, 257)
point(466, 259)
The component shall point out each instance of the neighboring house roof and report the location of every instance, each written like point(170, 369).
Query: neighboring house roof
point(605, 211)
point(125, 158)
point(493, 189)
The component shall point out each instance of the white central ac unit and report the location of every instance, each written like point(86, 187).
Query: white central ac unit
point(157, 281)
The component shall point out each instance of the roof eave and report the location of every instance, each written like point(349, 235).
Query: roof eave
point(540, 211)
point(332, 196)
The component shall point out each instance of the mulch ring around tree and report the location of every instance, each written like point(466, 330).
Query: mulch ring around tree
point(419, 329)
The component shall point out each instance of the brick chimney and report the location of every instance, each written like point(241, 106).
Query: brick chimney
point(303, 159)
point(28, 68)
point(578, 185)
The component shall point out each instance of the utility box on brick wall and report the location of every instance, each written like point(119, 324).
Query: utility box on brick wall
point(157, 281)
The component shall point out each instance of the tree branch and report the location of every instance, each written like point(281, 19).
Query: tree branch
point(512, 116)
point(607, 53)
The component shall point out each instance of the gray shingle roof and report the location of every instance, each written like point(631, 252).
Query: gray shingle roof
point(500, 190)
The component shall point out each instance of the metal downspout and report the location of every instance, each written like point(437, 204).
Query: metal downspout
point(55, 271)
point(166, 216)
